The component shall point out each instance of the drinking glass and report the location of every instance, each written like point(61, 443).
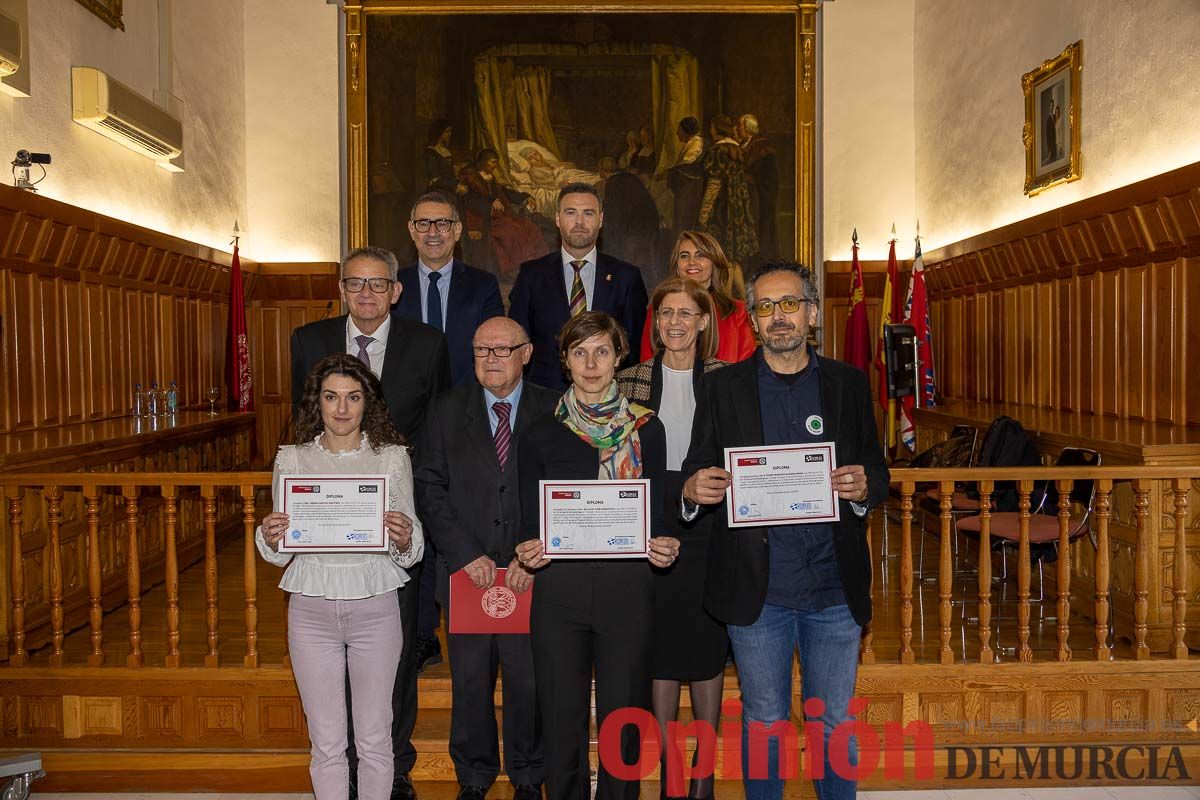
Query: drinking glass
point(214, 393)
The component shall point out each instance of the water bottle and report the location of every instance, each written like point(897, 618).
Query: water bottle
point(173, 398)
point(152, 400)
point(137, 400)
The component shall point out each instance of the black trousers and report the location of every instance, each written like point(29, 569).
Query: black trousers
point(404, 693)
point(474, 746)
point(607, 628)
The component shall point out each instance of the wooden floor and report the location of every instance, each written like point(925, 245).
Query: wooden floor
point(886, 625)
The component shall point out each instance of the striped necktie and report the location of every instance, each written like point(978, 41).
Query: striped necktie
point(503, 435)
point(362, 342)
point(578, 296)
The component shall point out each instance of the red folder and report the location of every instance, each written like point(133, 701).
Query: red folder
point(496, 609)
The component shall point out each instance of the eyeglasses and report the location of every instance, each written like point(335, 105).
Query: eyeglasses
point(378, 285)
point(788, 305)
point(504, 351)
point(443, 225)
point(682, 314)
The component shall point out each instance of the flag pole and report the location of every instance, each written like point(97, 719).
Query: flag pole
point(917, 346)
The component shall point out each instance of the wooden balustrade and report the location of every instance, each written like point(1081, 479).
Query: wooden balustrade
point(953, 638)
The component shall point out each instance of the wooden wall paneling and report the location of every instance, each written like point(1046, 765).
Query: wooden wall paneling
point(1189, 336)
point(7, 321)
point(1109, 374)
point(1089, 341)
point(96, 361)
point(1045, 353)
point(1162, 359)
point(71, 367)
point(118, 382)
point(25, 318)
point(1135, 325)
point(49, 354)
point(169, 335)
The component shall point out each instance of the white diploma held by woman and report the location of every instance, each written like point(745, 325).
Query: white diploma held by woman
point(343, 616)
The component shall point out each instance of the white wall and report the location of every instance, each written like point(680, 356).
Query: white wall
point(1140, 102)
point(95, 173)
point(292, 157)
point(868, 132)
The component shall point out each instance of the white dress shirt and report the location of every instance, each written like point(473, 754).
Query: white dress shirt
point(443, 288)
point(587, 274)
point(376, 350)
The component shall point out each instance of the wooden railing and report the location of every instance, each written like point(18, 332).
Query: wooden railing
point(1143, 489)
point(131, 487)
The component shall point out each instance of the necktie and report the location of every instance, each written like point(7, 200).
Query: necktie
point(433, 301)
point(363, 341)
point(503, 435)
point(578, 296)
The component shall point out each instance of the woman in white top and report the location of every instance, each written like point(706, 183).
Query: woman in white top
point(689, 644)
point(344, 614)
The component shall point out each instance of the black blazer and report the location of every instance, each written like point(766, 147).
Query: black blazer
point(549, 450)
point(539, 302)
point(729, 416)
point(467, 503)
point(415, 366)
point(474, 297)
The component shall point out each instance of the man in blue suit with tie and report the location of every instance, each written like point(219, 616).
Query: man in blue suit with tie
point(456, 299)
point(442, 291)
point(552, 289)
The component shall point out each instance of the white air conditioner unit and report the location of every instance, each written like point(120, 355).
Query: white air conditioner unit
point(10, 46)
point(112, 109)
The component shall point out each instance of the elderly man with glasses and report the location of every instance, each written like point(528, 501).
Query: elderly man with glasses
point(466, 484)
point(411, 361)
point(785, 586)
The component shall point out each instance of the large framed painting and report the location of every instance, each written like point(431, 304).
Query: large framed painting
point(1051, 135)
point(698, 120)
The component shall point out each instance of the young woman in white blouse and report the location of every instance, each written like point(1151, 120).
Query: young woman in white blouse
point(344, 614)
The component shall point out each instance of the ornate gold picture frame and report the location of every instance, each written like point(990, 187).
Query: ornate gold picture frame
point(374, 147)
point(1052, 121)
point(111, 11)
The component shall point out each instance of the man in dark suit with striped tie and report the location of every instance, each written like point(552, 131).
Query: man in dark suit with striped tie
point(552, 289)
point(471, 510)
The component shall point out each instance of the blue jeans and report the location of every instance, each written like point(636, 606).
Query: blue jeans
point(828, 641)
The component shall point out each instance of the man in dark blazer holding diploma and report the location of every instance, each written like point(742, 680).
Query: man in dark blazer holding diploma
point(786, 587)
point(472, 511)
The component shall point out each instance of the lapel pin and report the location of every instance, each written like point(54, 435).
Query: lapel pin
point(608, 277)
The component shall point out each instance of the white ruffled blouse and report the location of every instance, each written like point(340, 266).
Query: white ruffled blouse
point(347, 576)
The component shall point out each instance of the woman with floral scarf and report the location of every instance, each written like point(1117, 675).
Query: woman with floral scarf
point(592, 614)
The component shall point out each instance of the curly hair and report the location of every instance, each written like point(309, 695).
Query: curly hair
point(376, 423)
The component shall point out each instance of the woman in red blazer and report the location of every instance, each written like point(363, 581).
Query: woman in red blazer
point(699, 256)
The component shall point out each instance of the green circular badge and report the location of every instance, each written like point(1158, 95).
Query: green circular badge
point(815, 425)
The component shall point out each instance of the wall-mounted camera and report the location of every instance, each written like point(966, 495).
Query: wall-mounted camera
point(22, 165)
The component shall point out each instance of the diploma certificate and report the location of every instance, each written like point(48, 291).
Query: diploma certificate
point(788, 484)
point(595, 519)
point(333, 513)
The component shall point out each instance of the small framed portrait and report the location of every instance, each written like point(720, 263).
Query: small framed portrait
point(108, 10)
point(1051, 134)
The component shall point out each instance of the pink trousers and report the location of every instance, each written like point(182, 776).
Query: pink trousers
point(327, 637)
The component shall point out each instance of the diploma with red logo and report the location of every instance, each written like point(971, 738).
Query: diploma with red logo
point(333, 513)
point(785, 484)
point(595, 519)
point(496, 609)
